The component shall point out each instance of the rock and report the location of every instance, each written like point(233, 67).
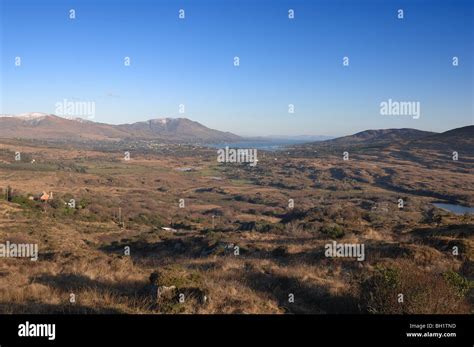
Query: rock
point(162, 294)
point(166, 293)
point(198, 294)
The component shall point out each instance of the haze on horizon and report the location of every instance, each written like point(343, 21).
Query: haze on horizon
point(282, 61)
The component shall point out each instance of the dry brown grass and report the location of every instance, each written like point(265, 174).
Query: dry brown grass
point(82, 252)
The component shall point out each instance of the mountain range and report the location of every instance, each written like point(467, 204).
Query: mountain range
point(51, 127)
point(44, 126)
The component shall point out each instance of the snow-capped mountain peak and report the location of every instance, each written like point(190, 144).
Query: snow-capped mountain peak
point(32, 115)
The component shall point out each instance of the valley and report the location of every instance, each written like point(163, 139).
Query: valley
point(247, 238)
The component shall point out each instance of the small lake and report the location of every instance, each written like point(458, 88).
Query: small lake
point(270, 145)
point(456, 209)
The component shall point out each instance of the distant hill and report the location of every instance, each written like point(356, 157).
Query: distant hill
point(181, 129)
point(459, 139)
point(403, 141)
point(376, 137)
point(51, 127)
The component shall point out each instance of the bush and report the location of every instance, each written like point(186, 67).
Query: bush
point(333, 231)
point(423, 292)
point(57, 203)
point(261, 226)
point(459, 283)
point(24, 201)
point(432, 216)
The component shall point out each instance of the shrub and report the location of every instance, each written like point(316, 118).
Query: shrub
point(333, 231)
point(57, 203)
point(261, 226)
point(423, 292)
point(24, 201)
point(461, 284)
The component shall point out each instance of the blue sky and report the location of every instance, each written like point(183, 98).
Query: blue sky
point(282, 62)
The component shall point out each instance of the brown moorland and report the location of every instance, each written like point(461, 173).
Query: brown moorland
point(234, 243)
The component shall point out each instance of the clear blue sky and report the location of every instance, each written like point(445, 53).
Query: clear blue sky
point(283, 61)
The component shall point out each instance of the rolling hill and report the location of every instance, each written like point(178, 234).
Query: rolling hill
point(376, 138)
point(459, 139)
point(402, 140)
point(44, 126)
